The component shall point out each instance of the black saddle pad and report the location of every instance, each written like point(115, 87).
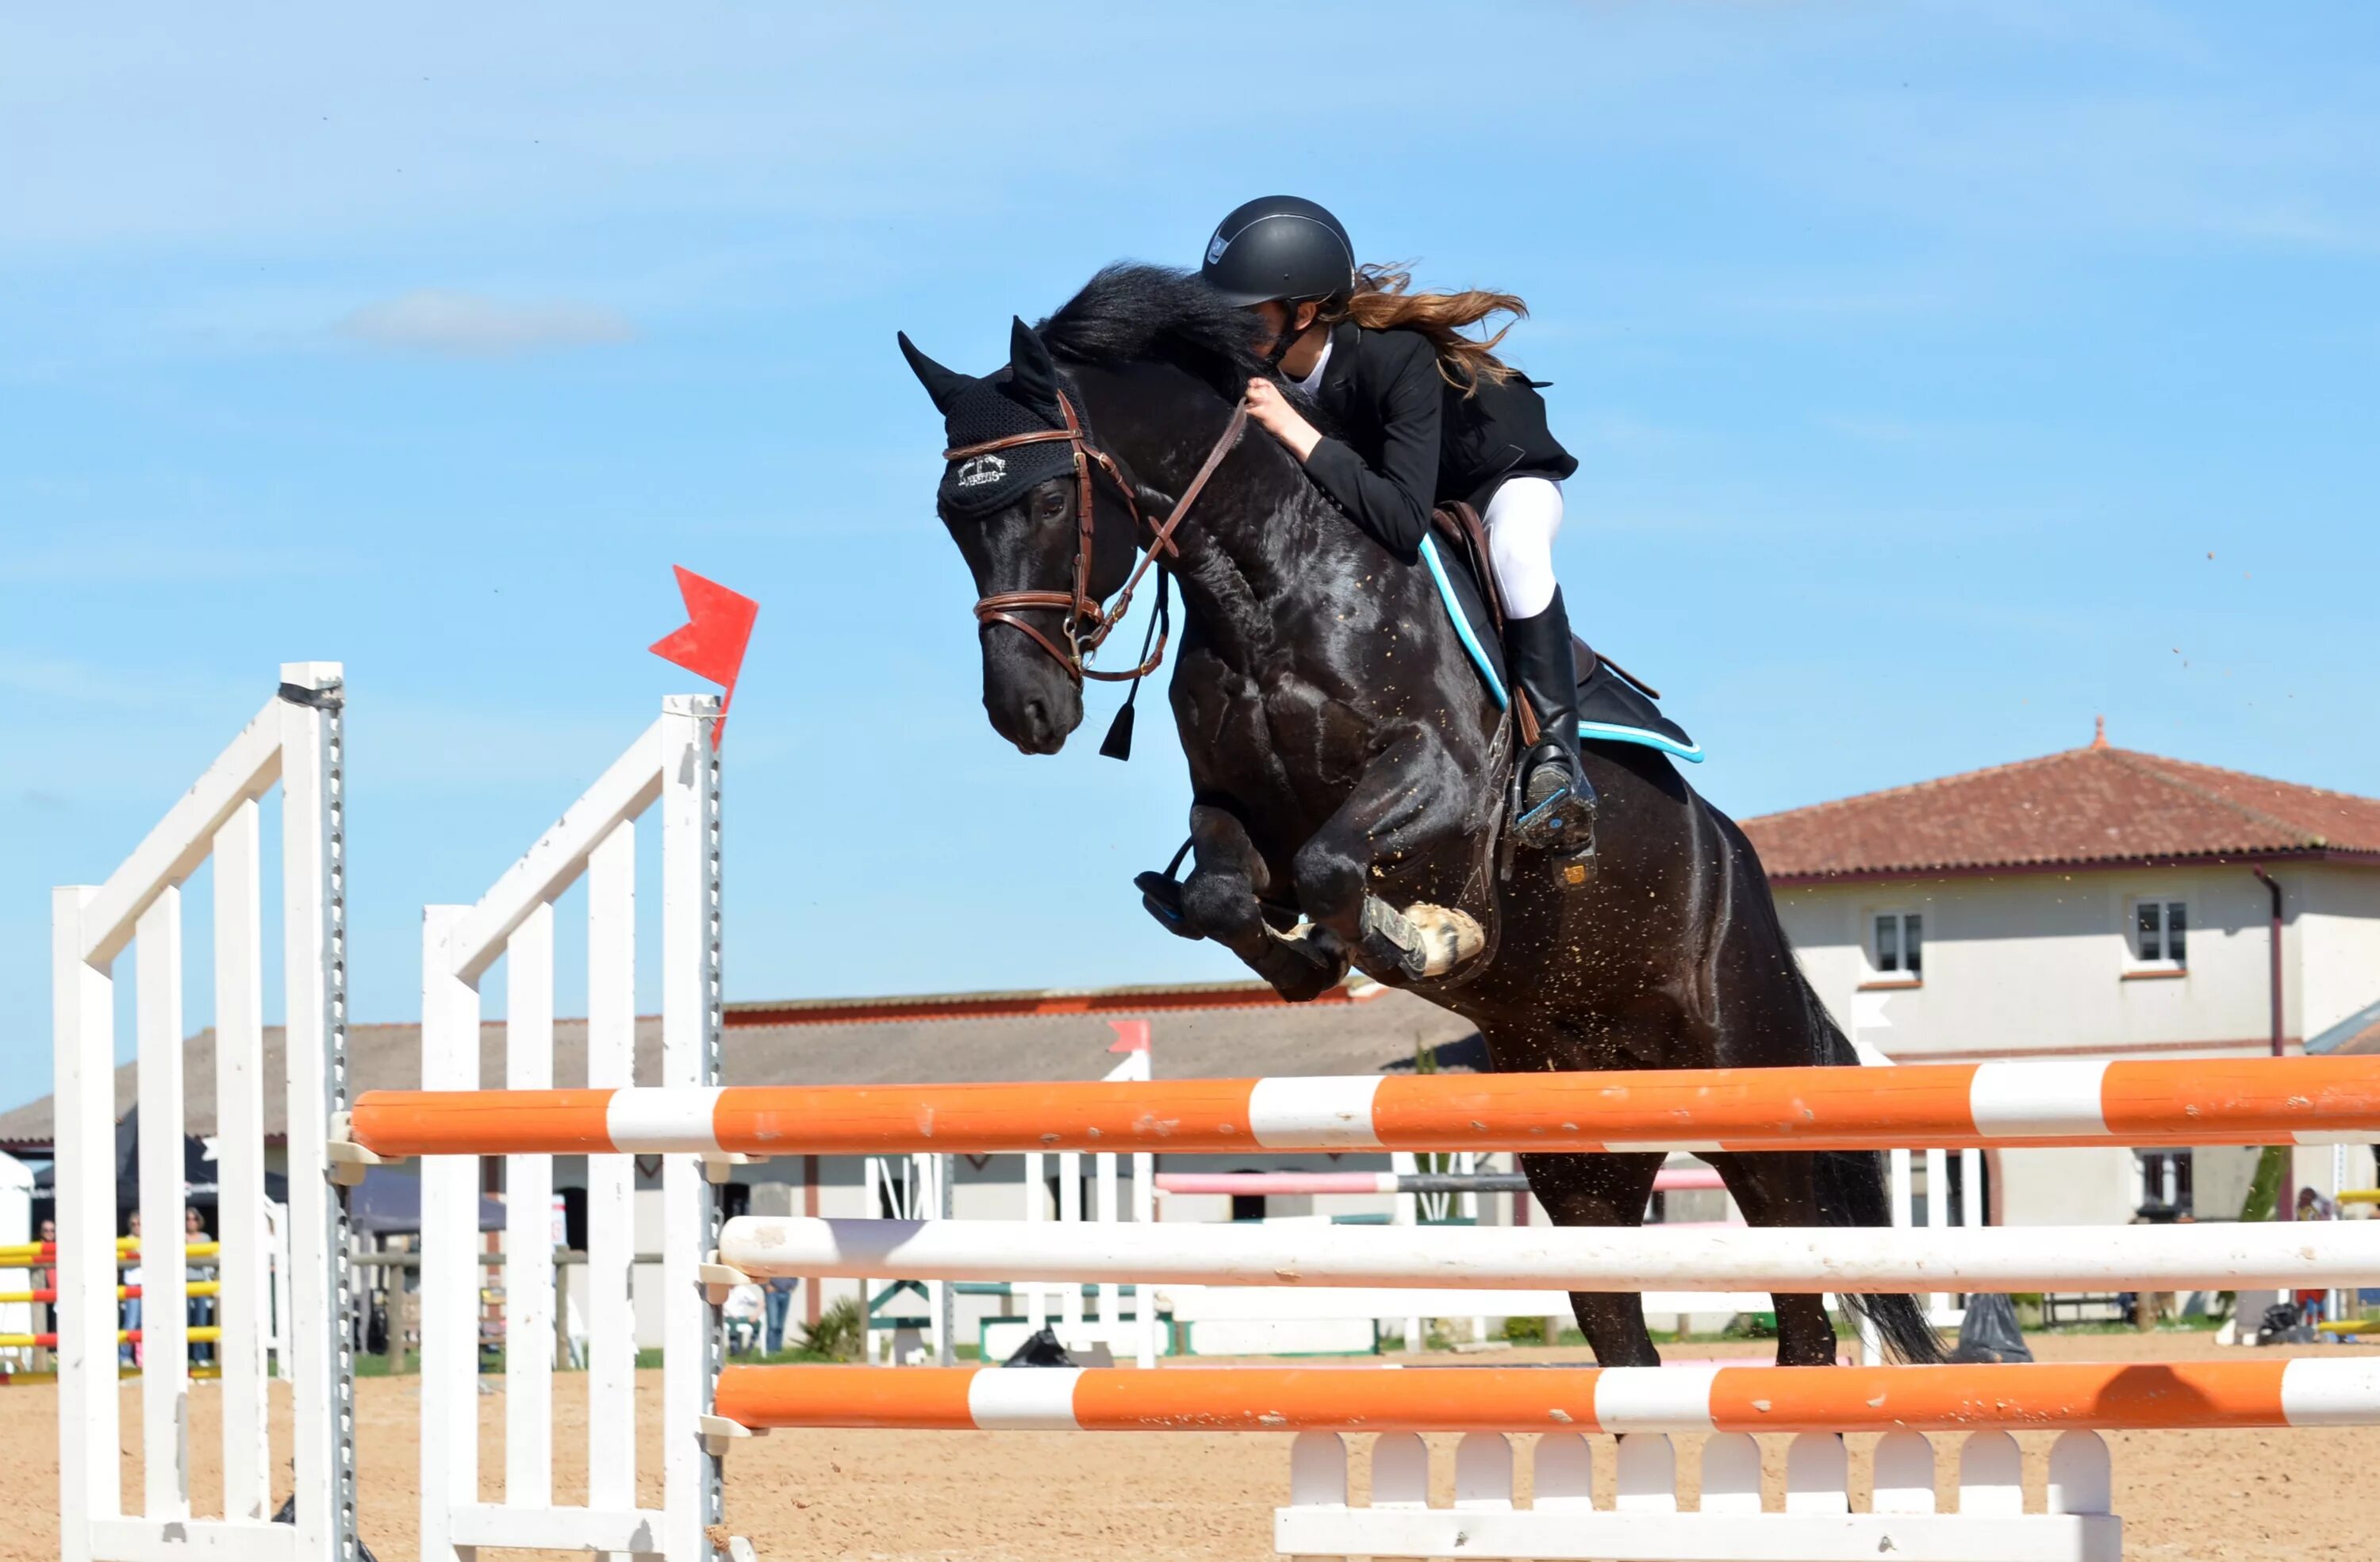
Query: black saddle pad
point(1611, 708)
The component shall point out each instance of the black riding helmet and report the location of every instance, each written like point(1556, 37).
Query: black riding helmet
point(1278, 247)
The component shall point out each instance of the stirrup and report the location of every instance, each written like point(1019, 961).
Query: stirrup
point(1160, 896)
point(1566, 818)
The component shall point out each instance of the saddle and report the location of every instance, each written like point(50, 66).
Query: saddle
point(1614, 705)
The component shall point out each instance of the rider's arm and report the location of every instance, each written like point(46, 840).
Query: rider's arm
point(1392, 501)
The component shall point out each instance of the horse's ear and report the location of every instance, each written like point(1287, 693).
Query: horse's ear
point(942, 384)
point(1035, 376)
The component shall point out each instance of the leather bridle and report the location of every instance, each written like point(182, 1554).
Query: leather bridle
point(1088, 622)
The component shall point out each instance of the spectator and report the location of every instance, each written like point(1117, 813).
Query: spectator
point(780, 1299)
point(128, 1352)
point(198, 1308)
point(2314, 1305)
point(741, 1315)
point(46, 1279)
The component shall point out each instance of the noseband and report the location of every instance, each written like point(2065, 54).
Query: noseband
point(1088, 622)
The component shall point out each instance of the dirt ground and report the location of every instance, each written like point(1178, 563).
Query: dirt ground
point(890, 1497)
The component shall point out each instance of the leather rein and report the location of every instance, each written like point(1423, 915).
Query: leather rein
point(1088, 622)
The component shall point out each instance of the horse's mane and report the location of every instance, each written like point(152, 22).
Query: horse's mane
point(1135, 313)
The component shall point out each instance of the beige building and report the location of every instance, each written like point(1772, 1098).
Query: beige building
point(2094, 903)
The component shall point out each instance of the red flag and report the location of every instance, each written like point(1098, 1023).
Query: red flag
point(1132, 1036)
point(710, 643)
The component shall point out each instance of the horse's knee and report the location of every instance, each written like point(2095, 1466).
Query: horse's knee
point(1222, 907)
point(1329, 885)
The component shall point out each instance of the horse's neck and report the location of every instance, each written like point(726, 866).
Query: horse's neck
point(1250, 536)
point(1245, 565)
point(1261, 547)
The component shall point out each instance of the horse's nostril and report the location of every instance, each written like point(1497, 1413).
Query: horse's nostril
point(1037, 721)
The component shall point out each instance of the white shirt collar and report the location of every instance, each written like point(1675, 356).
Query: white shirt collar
point(1314, 378)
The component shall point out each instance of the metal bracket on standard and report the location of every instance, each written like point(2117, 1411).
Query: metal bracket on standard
point(348, 1159)
point(719, 1165)
point(718, 1279)
point(718, 1432)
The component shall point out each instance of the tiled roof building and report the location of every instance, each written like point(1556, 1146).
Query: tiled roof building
point(2086, 807)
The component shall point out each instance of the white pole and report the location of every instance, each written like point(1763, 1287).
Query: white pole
point(2212, 1255)
point(163, 1352)
point(940, 1317)
point(529, 1244)
point(1408, 1213)
point(1467, 1161)
point(1143, 1211)
point(2340, 1303)
point(450, 1270)
point(612, 1180)
point(1036, 1212)
point(1070, 1213)
point(873, 1179)
point(1111, 1294)
point(314, 1013)
point(692, 1341)
point(244, 1248)
point(82, 999)
point(276, 1226)
point(1938, 1214)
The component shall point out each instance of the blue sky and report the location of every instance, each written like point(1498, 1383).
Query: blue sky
point(1942, 375)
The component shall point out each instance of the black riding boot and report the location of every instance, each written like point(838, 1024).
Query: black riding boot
point(1557, 802)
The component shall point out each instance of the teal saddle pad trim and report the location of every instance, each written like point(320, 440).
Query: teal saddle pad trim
point(1598, 731)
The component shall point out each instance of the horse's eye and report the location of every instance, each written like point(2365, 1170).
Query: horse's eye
point(1050, 505)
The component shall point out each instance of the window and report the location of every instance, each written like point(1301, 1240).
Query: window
point(1897, 951)
point(2163, 1183)
point(2161, 934)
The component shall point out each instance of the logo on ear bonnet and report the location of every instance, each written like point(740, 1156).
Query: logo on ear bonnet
point(978, 470)
point(1216, 247)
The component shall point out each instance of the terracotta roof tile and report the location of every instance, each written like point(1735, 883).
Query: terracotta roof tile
point(2087, 806)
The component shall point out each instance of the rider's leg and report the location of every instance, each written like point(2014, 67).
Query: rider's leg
point(1521, 520)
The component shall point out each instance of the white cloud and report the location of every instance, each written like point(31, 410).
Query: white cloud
point(469, 326)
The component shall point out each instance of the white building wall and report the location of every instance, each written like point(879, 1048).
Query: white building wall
point(2337, 914)
point(2076, 1187)
point(2040, 964)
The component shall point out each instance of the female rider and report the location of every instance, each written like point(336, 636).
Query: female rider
point(1429, 416)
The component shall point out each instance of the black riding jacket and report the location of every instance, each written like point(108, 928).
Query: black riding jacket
point(1408, 440)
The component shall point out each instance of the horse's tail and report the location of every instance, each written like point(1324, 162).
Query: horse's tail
point(1851, 1192)
point(1854, 1190)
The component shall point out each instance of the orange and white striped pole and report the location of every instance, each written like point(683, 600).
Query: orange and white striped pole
point(2104, 1397)
point(2201, 1101)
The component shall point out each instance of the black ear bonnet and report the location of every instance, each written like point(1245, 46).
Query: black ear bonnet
point(1019, 399)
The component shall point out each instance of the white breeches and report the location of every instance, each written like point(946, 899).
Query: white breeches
point(1523, 520)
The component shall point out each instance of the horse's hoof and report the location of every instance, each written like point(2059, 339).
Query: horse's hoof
point(1448, 937)
point(1316, 962)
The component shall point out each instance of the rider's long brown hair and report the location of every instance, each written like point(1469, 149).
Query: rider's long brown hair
point(1382, 299)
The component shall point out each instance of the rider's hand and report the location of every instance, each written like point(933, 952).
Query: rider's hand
point(1270, 408)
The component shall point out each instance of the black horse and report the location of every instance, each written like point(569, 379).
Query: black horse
point(1347, 764)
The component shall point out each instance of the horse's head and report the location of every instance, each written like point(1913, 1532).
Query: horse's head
point(1046, 522)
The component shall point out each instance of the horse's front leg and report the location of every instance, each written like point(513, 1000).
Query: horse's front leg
point(1222, 900)
point(1412, 799)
